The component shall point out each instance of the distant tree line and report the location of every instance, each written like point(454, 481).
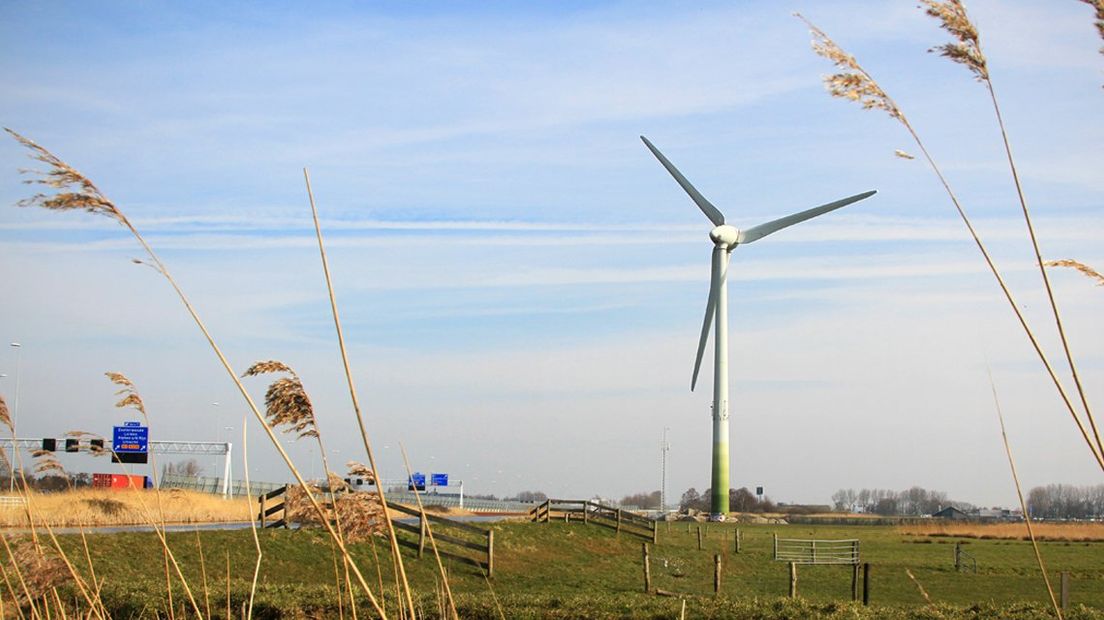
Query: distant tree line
point(739, 500)
point(915, 501)
point(647, 501)
point(1064, 501)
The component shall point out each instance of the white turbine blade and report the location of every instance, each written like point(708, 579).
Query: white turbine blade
point(710, 307)
point(707, 207)
point(758, 232)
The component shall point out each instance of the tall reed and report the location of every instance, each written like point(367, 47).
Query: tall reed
point(288, 405)
point(77, 192)
point(854, 83)
point(1023, 504)
point(392, 538)
point(966, 50)
point(432, 541)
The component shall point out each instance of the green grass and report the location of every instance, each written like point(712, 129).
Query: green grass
point(559, 570)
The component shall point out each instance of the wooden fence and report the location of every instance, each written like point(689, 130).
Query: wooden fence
point(588, 512)
point(449, 535)
point(275, 501)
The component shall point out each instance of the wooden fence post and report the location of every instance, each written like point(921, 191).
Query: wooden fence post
point(775, 546)
point(490, 553)
point(655, 532)
point(793, 579)
point(647, 569)
point(1065, 590)
point(716, 574)
point(854, 582)
point(737, 540)
point(262, 501)
point(699, 538)
point(687, 527)
point(586, 518)
point(866, 583)
point(618, 520)
point(421, 535)
point(956, 557)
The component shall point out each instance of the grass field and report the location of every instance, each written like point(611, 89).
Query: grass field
point(559, 570)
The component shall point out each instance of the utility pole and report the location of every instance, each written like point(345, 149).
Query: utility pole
point(664, 448)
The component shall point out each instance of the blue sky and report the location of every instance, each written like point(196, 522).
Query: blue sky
point(521, 283)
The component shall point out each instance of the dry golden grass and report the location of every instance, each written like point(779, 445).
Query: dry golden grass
point(92, 507)
point(1069, 532)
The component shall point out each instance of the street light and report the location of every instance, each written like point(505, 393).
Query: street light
point(227, 475)
point(15, 411)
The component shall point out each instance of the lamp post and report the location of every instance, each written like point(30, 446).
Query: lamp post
point(226, 472)
point(15, 411)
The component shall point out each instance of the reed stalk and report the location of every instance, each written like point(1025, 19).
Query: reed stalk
point(856, 84)
point(252, 528)
point(1023, 504)
point(131, 398)
point(228, 616)
point(432, 542)
point(203, 573)
point(966, 50)
point(88, 197)
point(393, 539)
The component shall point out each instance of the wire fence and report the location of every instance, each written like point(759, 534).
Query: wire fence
point(214, 485)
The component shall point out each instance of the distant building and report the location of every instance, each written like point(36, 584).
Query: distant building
point(950, 512)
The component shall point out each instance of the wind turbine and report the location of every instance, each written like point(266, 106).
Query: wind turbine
point(725, 239)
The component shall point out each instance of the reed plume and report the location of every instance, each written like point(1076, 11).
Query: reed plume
point(965, 49)
point(40, 568)
point(1098, 5)
point(360, 470)
point(78, 192)
point(1082, 267)
point(46, 462)
point(854, 83)
point(287, 404)
point(5, 415)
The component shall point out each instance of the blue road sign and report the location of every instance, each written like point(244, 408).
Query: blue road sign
point(439, 480)
point(417, 481)
point(131, 437)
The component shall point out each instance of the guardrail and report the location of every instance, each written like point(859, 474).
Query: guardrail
point(448, 535)
point(214, 485)
point(11, 501)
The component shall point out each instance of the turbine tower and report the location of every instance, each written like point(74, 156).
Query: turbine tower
point(725, 239)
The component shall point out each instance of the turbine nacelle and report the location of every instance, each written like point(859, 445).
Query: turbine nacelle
point(725, 236)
